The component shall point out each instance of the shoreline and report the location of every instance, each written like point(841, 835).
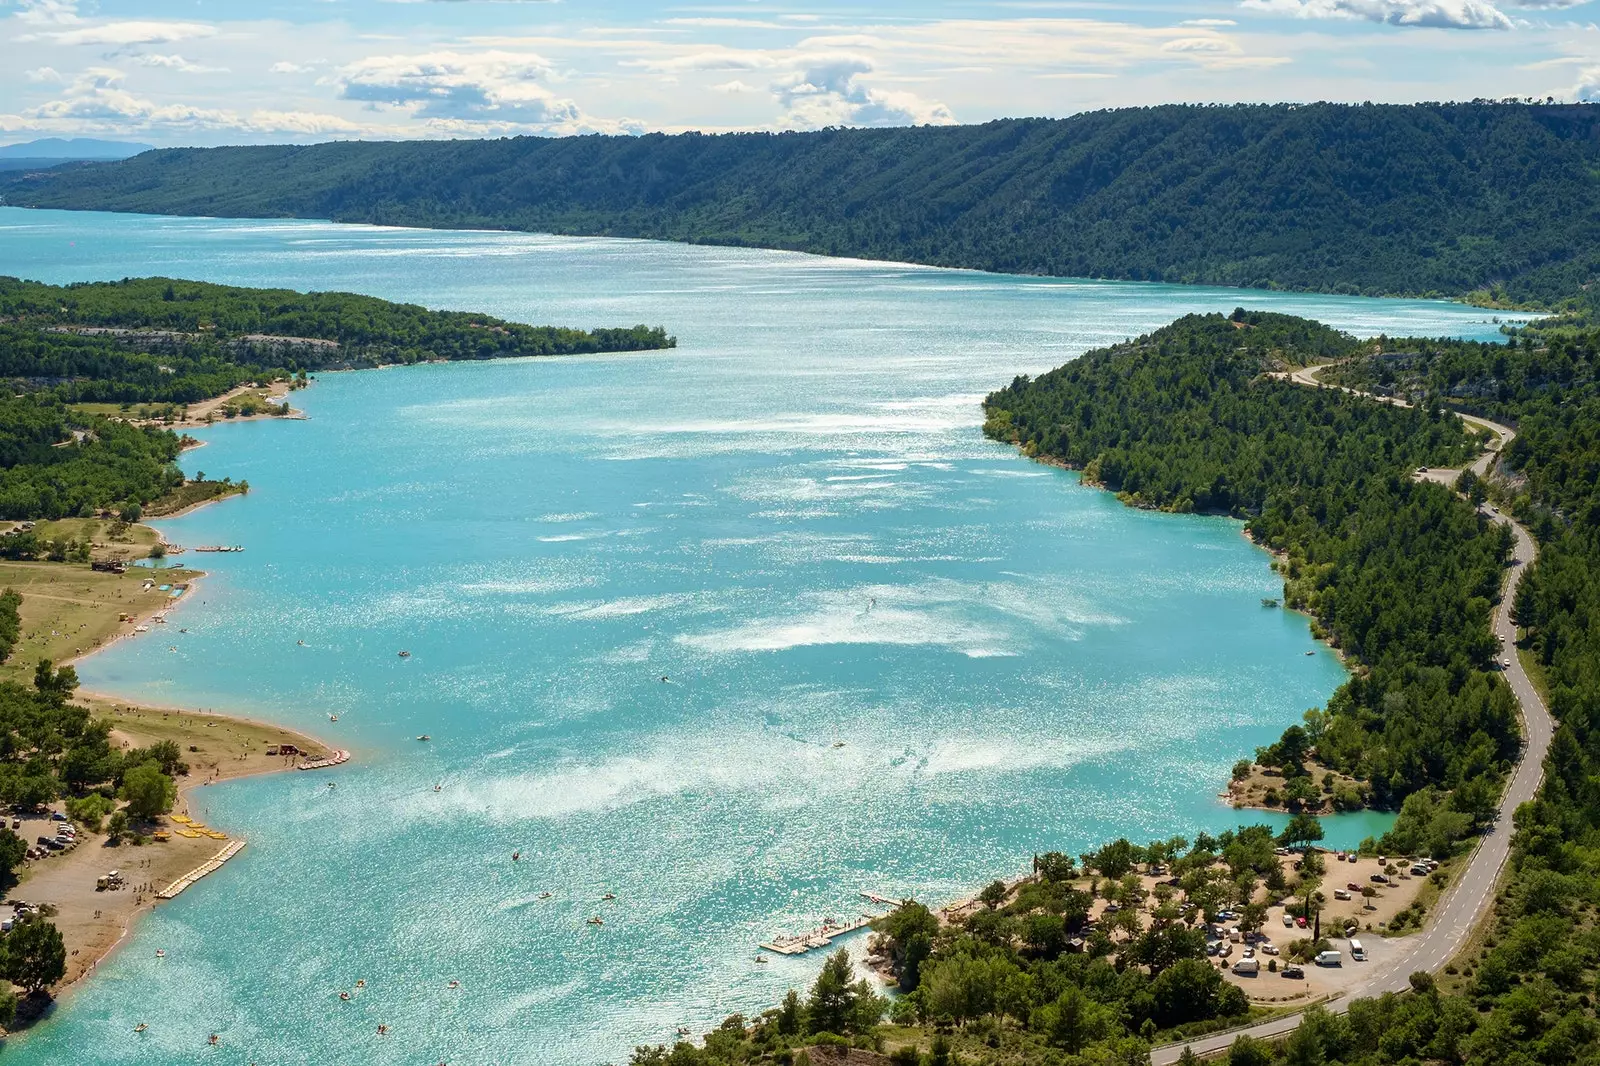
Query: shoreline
point(222, 747)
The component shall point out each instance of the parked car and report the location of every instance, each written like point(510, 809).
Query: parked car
point(1269, 949)
point(1247, 967)
point(1341, 893)
point(1329, 958)
point(1379, 879)
point(1357, 952)
point(57, 816)
point(1352, 886)
point(1213, 947)
point(1288, 920)
point(1300, 921)
point(1294, 973)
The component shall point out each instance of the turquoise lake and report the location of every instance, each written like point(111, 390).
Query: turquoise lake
point(733, 632)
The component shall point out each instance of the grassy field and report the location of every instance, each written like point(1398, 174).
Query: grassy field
point(68, 609)
point(110, 538)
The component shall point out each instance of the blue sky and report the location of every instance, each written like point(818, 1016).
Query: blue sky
point(212, 72)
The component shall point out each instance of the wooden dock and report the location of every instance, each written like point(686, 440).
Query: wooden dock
point(335, 759)
point(822, 936)
point(233, 848)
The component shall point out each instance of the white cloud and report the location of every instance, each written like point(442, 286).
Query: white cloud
point(457, 90)
point(827, 91)
point(174, 62)
point(47, 12)
point(125, 34)
point(1447, 14)
point(43, 75)
point(1587, 90)
point(734, 86)
point(97, 102)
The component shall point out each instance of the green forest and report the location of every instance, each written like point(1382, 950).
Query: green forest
point(1402, 575)
point(168, 342)
point(1499, 200)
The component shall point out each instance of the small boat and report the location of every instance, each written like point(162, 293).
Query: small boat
point(761, 958)
point(333, 718)
point(333, 784)
point(438, 788)
point(215, 1040)
point(546, 895)
point(597, 920)
point(361, 982)
point(838, 743)
point(383, 1030)
point(423, 736)
point(160, 954)
point(609, 895)
point(141, 1027)
point(1312, 652)
point(453, 984)
point(405, 655)
point(683, 1030)
point(300, 643)
point(516, 856)
point(345, 996)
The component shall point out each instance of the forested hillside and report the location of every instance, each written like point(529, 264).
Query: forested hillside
point(1499, 199)
point(1400, 575)
point(167, 342)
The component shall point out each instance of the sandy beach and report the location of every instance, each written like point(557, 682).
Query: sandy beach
point(70, 614)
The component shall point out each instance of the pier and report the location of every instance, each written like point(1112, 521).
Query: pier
point(822, 936)
point(200, 871)
point(335, 759)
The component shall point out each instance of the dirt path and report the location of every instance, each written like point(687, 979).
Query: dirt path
point(1472, 889)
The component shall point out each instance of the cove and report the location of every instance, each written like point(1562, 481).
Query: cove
point(897, 657)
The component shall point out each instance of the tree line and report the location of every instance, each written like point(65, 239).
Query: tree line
point(1398, 574)
point(166, 342)
point(1493, 199)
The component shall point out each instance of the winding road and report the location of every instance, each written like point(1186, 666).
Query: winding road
point(1472, 890)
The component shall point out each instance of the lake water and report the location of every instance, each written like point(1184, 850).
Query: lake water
point(733, 632)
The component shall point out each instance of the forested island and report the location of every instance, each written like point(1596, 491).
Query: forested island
point(1400, 573)
point(1498, 201)
point(85, 361)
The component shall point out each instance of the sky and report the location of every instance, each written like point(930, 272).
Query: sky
point(206, 72)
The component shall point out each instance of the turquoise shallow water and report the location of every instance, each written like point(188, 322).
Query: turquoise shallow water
point(793, 517)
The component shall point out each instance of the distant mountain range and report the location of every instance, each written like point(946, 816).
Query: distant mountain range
point(1497, 201)
point(51, 151)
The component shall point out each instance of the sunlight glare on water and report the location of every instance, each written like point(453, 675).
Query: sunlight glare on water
point(734, 632)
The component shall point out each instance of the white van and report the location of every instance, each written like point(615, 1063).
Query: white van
point(1328, 958)
point(1250, 967)
point(1357, 952)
